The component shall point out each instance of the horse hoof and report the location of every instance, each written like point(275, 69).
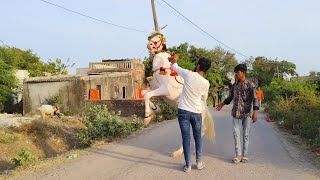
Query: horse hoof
point(147, 121)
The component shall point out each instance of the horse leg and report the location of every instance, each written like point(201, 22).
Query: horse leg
point(157, 92)
point(154, 107)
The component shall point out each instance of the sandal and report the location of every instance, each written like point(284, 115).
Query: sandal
point(245, 160)
point(200, 165)
point(186, 168)
point(237, 159)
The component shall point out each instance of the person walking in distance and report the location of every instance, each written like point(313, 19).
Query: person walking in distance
point(214, 97)
point(260, 96)
point(243, 95)
point(219, 95)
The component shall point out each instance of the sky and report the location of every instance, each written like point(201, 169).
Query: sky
point(286, 30)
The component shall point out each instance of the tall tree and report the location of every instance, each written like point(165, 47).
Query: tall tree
point(264, 70)
point(312, 73)
point(12, 59)
point(27, 60)
point(7, 83)
point(57, 67)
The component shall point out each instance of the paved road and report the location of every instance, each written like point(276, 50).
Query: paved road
point(147, 156)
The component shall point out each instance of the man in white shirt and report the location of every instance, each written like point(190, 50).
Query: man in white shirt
point(194, 93)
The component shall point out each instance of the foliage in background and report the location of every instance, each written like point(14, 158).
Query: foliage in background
point(167, 112)
point(12, 59)
point(222, 62)
point(8, 82)
point(104, 125)
point(54, 100)
point(265, 70)
point(296, 106)
point(286, 89)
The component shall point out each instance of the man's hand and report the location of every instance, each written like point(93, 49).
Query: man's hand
point(254, 117)
point(219, 106)
point(174, 58)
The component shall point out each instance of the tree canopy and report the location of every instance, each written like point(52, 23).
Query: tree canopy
point(222, 62)
point(12, 59)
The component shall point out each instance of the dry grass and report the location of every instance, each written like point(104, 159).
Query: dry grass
point(45, 139)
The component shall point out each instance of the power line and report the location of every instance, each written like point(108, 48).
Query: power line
point(93, 18)
point(205, 31)
point(2, 42)
point(170, 10)
point(142, 52)
point(175, 14)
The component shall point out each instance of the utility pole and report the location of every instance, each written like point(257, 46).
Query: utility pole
point(275, 62)
point(155, 20)
point(278, 73)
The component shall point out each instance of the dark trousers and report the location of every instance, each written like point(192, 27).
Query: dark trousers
point(185, 119)
point(219, 99)
point(214, 101)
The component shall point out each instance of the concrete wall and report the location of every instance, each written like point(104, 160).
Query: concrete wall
point(127, 107)
point(74, 90)
point(108, 82)
point(38, 93)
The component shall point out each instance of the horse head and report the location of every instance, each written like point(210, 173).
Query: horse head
point(157, 43)
point(157, 47)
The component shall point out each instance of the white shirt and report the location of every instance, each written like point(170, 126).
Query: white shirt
point(195, 90)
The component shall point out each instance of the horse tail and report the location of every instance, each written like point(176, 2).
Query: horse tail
point(208, 121)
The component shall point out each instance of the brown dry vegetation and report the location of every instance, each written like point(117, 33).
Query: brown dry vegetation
point(44, 138)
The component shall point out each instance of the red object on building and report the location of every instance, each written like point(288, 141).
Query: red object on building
point(139, 93)
point(94, 94)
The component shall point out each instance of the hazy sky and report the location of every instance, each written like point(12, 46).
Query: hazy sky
point(286, 29)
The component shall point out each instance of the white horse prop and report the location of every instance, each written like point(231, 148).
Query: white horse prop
point(168, 84)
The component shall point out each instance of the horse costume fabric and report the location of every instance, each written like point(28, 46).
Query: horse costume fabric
point(168, 84)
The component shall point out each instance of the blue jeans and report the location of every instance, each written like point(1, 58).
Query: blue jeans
point(185, 119)
point(243, 124)
point(260, 103)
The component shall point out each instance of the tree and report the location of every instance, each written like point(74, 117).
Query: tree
point(27, 60)
point(57, 67)
point(265, 70)
point(286, 68)
point(12, 59)
point(312, 73)
point(7, 83)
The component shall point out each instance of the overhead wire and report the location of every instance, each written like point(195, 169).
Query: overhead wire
point(205, 32)
point(93, 18)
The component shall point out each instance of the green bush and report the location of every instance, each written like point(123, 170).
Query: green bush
point(299, 110)
point(54, 100)
point(167, 112)
point(104, 125)
point(25, 158)
point(285, 89)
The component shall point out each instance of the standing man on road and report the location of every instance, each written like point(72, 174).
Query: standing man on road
point(194, 94)
point(213, 94)
point(219, 95)
point(260, 96)
point(243, 95)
